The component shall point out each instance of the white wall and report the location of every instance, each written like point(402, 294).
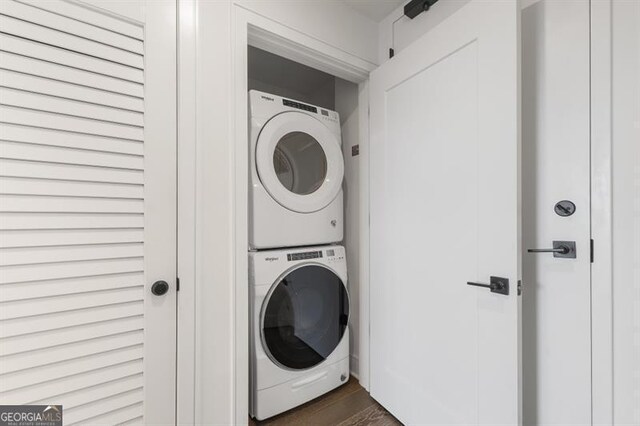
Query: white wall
point(332, 22)
point(626, 210)
point(397, 31)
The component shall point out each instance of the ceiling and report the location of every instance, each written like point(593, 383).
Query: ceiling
point(375, 10)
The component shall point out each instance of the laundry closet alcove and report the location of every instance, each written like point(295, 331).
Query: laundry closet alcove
point(278, 61)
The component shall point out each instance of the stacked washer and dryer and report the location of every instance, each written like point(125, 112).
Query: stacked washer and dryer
point(299, 304)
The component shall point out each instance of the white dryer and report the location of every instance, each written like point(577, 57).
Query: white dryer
point(299, 326)
point(296, 173)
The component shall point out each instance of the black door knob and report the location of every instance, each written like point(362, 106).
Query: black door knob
point(159, 288)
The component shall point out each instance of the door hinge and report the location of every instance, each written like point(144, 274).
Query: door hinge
point(177, 283)
point(591, 250)
point(519, 287)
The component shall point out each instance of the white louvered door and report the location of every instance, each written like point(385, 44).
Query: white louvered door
point(88, 208)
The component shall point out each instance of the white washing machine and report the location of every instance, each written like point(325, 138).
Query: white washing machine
point(296, 173)
point(299, 326)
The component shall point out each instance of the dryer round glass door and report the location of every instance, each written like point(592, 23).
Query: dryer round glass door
point(299, 162)
point(304, 317)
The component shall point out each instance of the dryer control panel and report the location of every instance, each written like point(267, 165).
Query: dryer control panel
point(264, 105)
point(299, 105)
point(325, 114)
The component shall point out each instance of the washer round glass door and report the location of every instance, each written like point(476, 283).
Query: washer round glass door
point(299, 162)
point(304, 317)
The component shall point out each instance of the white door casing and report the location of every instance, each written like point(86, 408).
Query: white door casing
point(556, 166)
point(445, 209)
point(87, 208)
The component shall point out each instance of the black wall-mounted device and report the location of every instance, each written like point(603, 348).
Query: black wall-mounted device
point(416, 7)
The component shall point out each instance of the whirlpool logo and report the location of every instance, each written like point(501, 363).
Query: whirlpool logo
point(267, 98)
point(30, 415)
point(271, 259)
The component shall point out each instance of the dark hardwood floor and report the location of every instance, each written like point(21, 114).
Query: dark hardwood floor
point(349, 405)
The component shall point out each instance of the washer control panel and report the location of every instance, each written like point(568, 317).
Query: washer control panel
point(315, 254)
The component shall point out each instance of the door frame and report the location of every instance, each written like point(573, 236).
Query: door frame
point(250, 28)
point(601, 213)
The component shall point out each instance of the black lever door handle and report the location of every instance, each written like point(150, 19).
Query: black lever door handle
point(561, 250)
point(491, 286)
point(496, 285)
point(565, 249)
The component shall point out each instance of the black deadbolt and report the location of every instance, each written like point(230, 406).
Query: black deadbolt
point(565, 208)
point(159, 288)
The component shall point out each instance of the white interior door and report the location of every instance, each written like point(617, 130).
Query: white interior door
point(444, 173)
point(87, 208)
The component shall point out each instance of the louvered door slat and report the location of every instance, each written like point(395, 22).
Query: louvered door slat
point(39, 136)
point(76, 333)
point(53, 71)
point(71, 26)
point(53, 237)
point(87, 207)
point(20, 362)
point(36, 203)
point(72, 60)
point(62, 170)
point(69, 302)
point(14, 274)
point(44, 221)
point(44, 153)
point(49, 254)
point(93, 393)
point(89, 16)
point(31, 186)
point(63, 320)
point(105, 405)
point(76, 44)
point(71, 366)
point(34, 152)
point(87, 95)
point(58, 105)
point(115, 417)
point(45, 390)
point(28, 117)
